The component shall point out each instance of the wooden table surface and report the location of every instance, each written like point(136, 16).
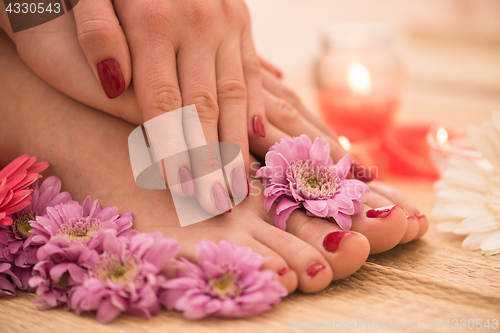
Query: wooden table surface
point(429, 280)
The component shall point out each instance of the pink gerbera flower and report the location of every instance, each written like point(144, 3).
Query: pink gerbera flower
point(68, 238)
point(229, 283)
point(16, 244)
point(68, 228)
point(14, 180)
point(8, 280)
point(126, 277)
point(299, 173)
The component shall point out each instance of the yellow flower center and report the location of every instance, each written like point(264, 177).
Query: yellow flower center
point(22, 225)
point(228, 285)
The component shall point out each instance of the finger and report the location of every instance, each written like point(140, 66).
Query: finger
point(257, 122)
point(104, 44)
point(260, 147)
point(285, 117)
point(279, 89)
point(166, 140)
point(271, 68)
point(197, 79)
point(232, 98)
point(158, 93)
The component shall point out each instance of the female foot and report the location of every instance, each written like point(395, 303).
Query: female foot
point(88, 151)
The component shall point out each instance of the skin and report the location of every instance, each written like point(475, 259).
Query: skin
point(87, 148)
point(64, 66)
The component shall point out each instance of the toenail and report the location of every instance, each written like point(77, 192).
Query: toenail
point(420, 216)
point(284, 270)
point(332, 241)
point(314, 269)
point(381, 212)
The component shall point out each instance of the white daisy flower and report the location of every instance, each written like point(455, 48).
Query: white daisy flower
point(468, 195)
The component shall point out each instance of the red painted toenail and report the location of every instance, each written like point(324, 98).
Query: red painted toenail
point(314, 269)
point(332, 241)
point(381, 212)
point(284, 270)
point(420, 216)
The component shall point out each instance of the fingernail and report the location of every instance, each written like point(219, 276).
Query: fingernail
point(258, 126)
point(239, 181)
point(361, 173)
point(314, 269)
point(111, 78)
point(284, 270)
point(187, 183)
point(332, 241)
point(381, 212)
point(220, 198)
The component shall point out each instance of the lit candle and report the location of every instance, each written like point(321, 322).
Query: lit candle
point(361, 152)
point(359, 79)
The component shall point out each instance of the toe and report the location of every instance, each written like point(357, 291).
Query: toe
point(313, 270)
point(411, 231)
point(383, 227)
point(286, 275)
point(344, 250)
point(423, 225)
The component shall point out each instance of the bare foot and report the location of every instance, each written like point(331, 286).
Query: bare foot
point(88, 151)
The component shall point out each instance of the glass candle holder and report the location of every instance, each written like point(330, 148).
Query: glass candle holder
point(446, 142)
point(358, 76)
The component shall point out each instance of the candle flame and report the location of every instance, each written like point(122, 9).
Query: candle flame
point(344, 142)
point(359, 79)
point(442, 135)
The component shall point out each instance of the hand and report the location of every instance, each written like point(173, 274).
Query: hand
point(183, 52)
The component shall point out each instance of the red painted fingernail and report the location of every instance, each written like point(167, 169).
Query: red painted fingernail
point(111, 78)
point(220, 198)
point(314, 269)
point(332, 241)
point(381, 212)
point(362, 173)
point(239, 181)
point(187, 182)
point(284, 270)
point(258, 126)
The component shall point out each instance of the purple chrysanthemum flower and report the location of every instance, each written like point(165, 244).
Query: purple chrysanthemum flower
point(229, 283)
point(8, 280)
point(126, 277)
point(16, 241)
point(69, 239)
point(68, 229)
point(300, 173)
